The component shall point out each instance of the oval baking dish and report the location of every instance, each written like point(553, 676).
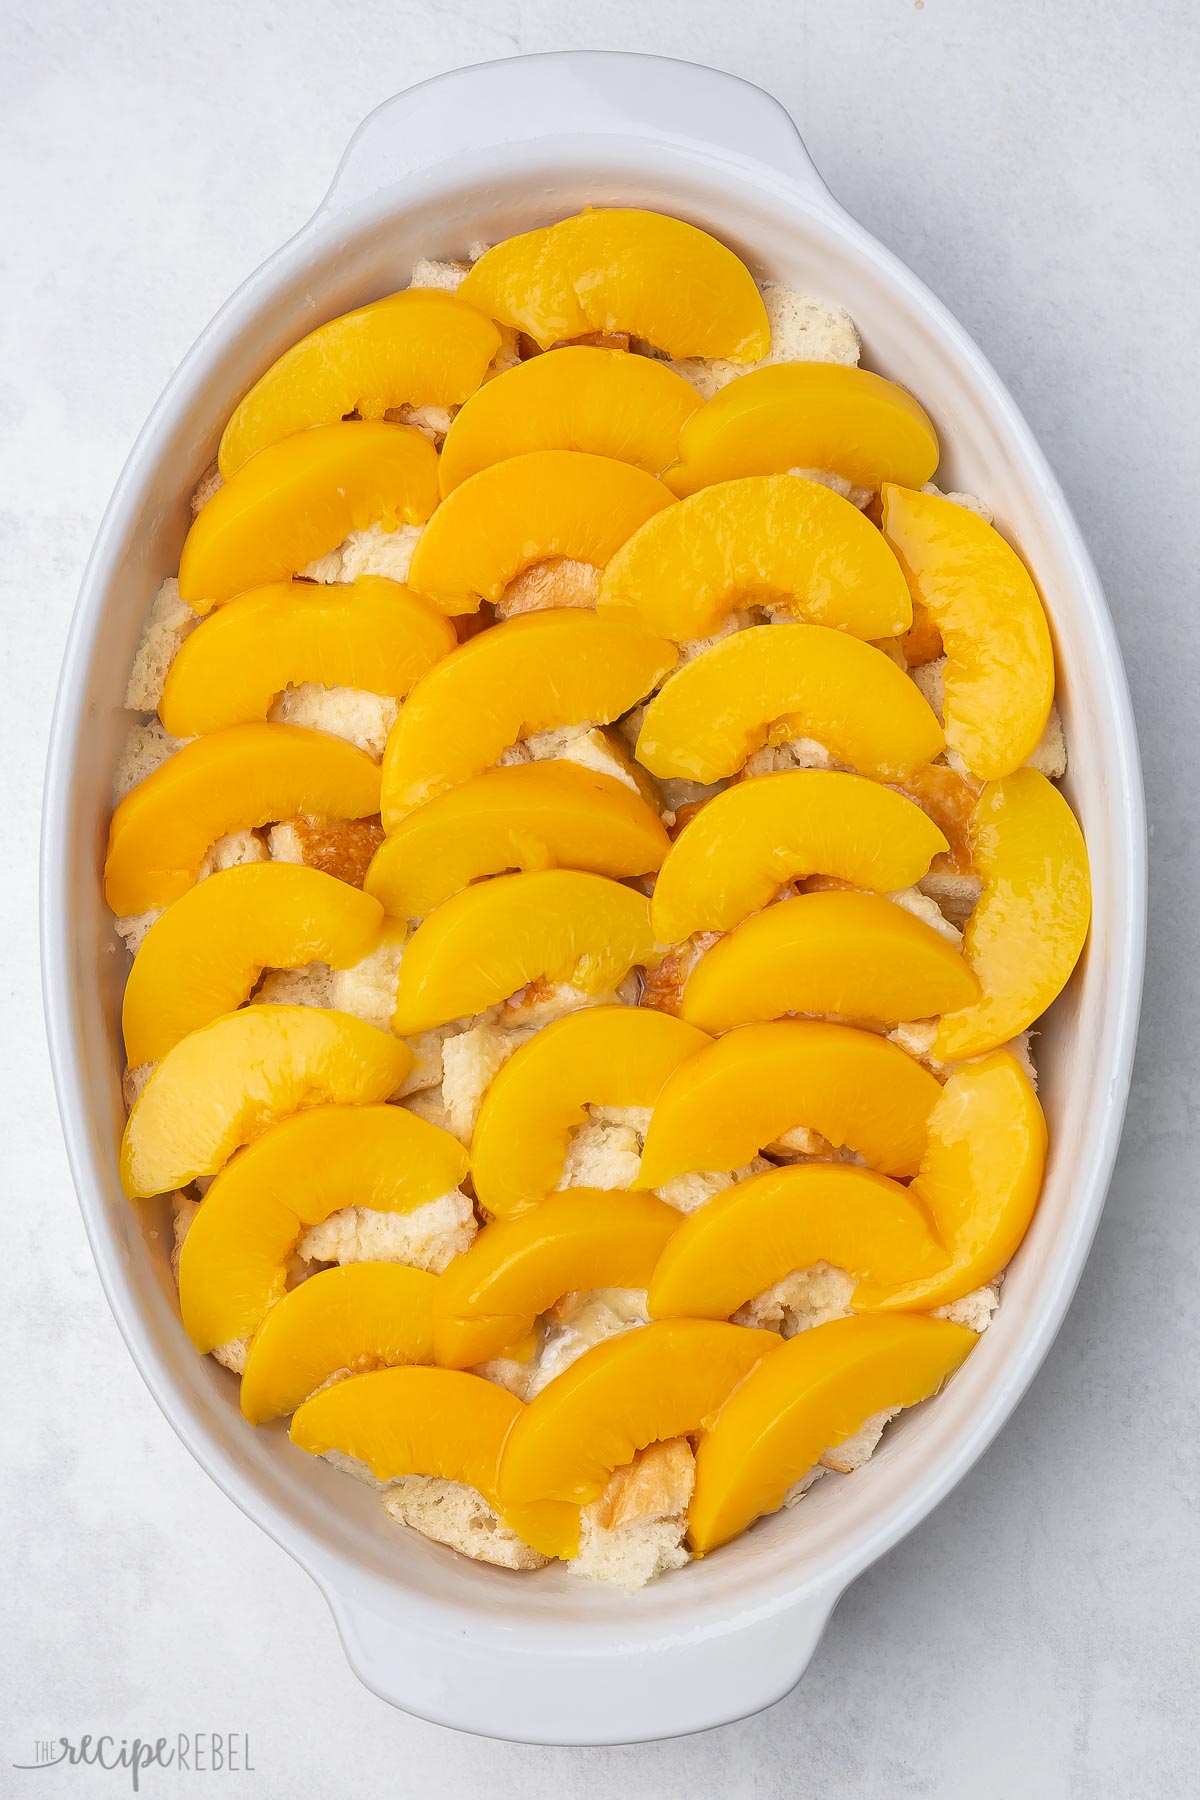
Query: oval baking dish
point(480, 154)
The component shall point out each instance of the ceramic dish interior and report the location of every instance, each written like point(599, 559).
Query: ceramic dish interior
point(479, 155)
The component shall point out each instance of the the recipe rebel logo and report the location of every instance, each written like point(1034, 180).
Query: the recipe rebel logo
point(194, 1753)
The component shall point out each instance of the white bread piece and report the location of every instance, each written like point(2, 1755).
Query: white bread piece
point(540, 1002)
point(458, 1516)
point(635, 1531)
point(545, 586)
point(231, 851)
point(800, 1144)
point(362, 718)
point(206, 487)
point(688, 1192)
point(971, 502)
point(854, 1451)
point(427, 1067)
point(922, 906)
point(837, 484)
point(429, 273)
point(168, 622)
point(428, 1104)
point(368, 988)
point(133, 1081)
point(374, 551)
point(930, 677)
point(797, 753)
point(691, 648)
point(801, 1299)
point(602, 1156)
point(340, 847)
point(976, 1309)
point(429, 1237)
point(577, 1323)
point(1050, 756)
point(471, 1061)
point(799, 1488)
point(432, 422)
point(311, 985)
point(916, 1038)
point(803, 329)
point(147, 746)
point(232, 1355)
point(590, 747)
point(132, 929)
point(955, 896)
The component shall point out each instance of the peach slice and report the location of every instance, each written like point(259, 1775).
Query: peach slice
point(224, 1084)
point(813, 1395)
point(1029, 927)
point(298, 498)
point(232, 780)
point(603, 1056)
point(618, 269)
point(490, 940)
point(204, 955)
point(855, 956)
point(722, 1106)
point(531, 674)
point(233, 1264)
point(544, 504)
point(417, 1421)
point(749, 1237)
point(365, 1316)
point(605, 402)
point(488, 1299)
point(810, 415)
point(658, 1382)
point(736, 853)
point(767, 539)
point(980, 1178)
point(980, 596)
point(418, 348)
point(783, 681)
point(371, 633)
point(530, 816)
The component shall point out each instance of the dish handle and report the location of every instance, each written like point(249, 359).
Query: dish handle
point(654, 101)
point(621, 1691)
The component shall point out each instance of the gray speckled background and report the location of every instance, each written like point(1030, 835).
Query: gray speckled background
point(1037, 165)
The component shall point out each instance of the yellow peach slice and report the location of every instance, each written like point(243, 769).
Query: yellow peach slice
point(849, 955)
point(622, 270)
point(767, 539)
point(807, 415)
point(721, 1107)
point(224, 1084)
point(605, 402)
point(1029, 927)
point(603, 1056)
point(780, 682)
point(658, 1382)
point(417, 1421)
point(233, 1264)
point(530, 816)
point(371, 633)
point(232, 780)
point(365, 1316)
point(544, 504)
point(488, 1298)
point(813, 1395)
point(418, 348)
point(980, 596)
point(204, 955)
point(754, 1234)
point(298, 498)
point(736, 853)
point(532, 674)
point(980, 1178)
point(490, 940)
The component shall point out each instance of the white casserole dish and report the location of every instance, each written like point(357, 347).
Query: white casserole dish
point(479, 154)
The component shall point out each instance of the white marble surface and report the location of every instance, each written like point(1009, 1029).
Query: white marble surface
point(1037, 165)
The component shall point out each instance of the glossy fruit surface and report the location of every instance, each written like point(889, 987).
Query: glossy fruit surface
point(837, 953)
point(764, 540)
point(999, 677)
point(779, 682)
point(735, 854)
point(552, 815)
point(544, 504)
point(807, 415)
point(492, 939)
point(370, 633)
point(729, 1100)
point(225, 1084)
point(813, 1395)
point(601, 1056)
point(532, 674)
point(232, 780)
point(755, 1233)
point(207, 951)
point(605, 402)
point(417, 348)
point(657, 1382)
point(517, 1268)
point(619, 269)
point(1029, 927)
